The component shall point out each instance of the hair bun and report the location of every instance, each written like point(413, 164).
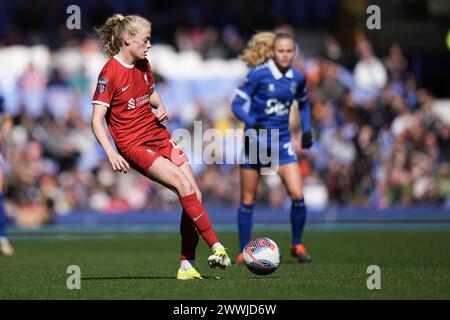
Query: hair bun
point(119, 17)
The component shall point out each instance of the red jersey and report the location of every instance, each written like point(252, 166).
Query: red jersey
point(125, 89)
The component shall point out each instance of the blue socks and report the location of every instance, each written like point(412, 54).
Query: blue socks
point(245, 222)
point(2, 217)
point(298, 217)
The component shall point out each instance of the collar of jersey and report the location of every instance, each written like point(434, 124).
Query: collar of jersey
point(276, 73)
point(126, 65)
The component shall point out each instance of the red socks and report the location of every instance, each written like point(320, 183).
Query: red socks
point(199, 217)
point(189, 237)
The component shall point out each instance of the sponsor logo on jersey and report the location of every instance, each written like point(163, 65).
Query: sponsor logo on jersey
point(131, 104)
point(145, 78)
point(271, 87)
point(101, 85)
point(273, 106)
point(138, 102)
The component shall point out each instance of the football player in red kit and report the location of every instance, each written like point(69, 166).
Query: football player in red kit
point(125, 96)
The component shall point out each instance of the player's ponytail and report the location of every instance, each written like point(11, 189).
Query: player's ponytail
point(259, 49)
point(112, 31)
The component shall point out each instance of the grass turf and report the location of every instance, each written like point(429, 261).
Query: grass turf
point(414, 265)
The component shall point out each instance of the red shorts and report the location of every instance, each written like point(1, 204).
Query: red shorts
point(143, 156)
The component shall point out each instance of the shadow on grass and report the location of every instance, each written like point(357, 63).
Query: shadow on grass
point(295, 262)
point(142, 278)
point(129, 278)
point(251, 277)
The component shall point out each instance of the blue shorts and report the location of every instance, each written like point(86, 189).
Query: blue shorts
point(259, 156)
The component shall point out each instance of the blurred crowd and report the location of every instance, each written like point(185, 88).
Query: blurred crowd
point(24, 22)
point(382, 142)
point(378, 141)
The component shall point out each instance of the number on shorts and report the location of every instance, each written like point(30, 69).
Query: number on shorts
point(288, 146)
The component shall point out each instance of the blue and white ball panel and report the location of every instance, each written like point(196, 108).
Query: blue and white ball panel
point(262, 256)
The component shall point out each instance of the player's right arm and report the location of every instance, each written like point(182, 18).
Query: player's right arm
point(241, 103)
point(305, 112)
point(101, 101)
point(118, 163)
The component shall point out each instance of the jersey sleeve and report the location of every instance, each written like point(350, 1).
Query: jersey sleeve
point(302, 91)
point(304, 105)
point(248, 87)
point(104, 91)
point(241, 103)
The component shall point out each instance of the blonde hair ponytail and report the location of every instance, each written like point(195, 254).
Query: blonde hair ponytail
point(259, 49)
point(113, 30)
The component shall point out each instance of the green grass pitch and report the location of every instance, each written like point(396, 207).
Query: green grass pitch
point(414, 265)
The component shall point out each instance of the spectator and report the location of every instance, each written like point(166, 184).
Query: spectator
point(370, 74)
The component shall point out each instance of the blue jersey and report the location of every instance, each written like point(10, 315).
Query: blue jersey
point(265, 98)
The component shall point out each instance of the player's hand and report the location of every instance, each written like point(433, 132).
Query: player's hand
point(296, 145)
point(118, 163)
point(161, 113)
point(307, 140)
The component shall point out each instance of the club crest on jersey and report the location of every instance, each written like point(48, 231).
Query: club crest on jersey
point(271, 87)
point(101, 85)
point(293, 87)
point(145, 78)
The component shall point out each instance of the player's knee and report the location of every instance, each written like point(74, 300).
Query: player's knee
point(199, 196)
point(296, 195)
point(184, 186)
point(248, 199)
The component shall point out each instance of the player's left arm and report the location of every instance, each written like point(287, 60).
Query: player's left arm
point(156, 102)
point(305, 114)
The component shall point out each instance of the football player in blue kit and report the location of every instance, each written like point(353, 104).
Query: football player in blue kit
point(264, 101)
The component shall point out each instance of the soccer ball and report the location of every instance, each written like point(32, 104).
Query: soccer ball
point(262, 256)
